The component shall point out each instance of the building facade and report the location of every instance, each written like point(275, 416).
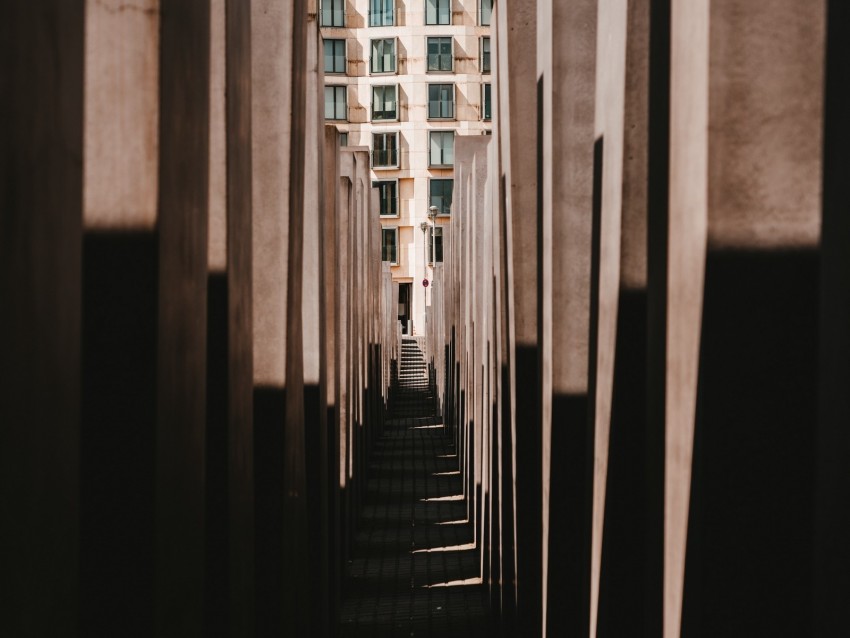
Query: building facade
point(405, 78)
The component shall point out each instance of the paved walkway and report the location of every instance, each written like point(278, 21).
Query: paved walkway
point(414, 569)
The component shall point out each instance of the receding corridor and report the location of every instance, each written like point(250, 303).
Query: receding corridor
point(414, 569)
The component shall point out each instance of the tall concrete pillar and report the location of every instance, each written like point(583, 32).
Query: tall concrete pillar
point(144, 330)
point(746, 120)
point(41, 194)
point(629, 527)
point(181, 327)
point(567, 75)
point(119, 332)
point(516, 25)
point(832, 518)
point(330, 373)
point(272, 65)
point(229, 591)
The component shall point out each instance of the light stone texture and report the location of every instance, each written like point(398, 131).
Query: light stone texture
point(765, 123)
point(271, 88)
point(688, 218)
point(121, 114)
point(217, 240)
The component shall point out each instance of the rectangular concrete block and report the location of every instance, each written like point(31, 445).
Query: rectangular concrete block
point(41, 195)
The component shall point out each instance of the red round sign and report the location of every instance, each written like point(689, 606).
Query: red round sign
point(425, 282)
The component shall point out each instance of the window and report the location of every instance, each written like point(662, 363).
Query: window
point(382, 59)
point(486, 11)
point(384, 103)
point(384, 150)
point(335, 103)
point(439, 54)
point(441, 195)
point(343, 139)
point(333, 13)
point(438, 11)
point(334, 56)
point(441, 101)
point(486, 113)
point(381, 13)
point(485, 55)
point(442, 148)
point(435, 249)
point(389, 245)
point(388, 197)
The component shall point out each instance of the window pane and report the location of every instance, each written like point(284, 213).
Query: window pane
point(441, 195)
point(446, 54)
point(329, 103)
point(329, 56)
point(431, 11)
point(389, 250)
point(444, 12)
point(336, 50)
point(486, 11)
point(433, 54)
point(485, 55)
point(487, 113)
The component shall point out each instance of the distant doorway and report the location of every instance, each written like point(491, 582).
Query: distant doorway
point(404, 295)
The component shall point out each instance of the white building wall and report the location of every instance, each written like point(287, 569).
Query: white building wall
point(412, 77)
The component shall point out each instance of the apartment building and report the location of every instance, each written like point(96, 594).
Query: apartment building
point(406, 78)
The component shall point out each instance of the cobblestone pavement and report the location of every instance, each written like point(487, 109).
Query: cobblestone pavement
point(414, 570)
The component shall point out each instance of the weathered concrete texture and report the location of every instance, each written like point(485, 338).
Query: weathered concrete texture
point(41, 194)
point(271, 102)
point(622, 509)
point(229, 586)
point(753, 485)
point(518, 113)
point(175, 481)
point(144, 330)
point(566, 49)
point(272, 27)
point(688, 211)
point(181, 328)
point(831, 585)
point(122, 114)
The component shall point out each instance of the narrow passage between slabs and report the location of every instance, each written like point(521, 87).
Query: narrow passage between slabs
point(414, 568)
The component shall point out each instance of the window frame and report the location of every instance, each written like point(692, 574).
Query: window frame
point(344, 55)
point(322, 11)
point(481, 13)
point(432, 246)
point(453, 115)
point(394, 40)
point(428, 68)
point(382, 13)
point(440, 132)
point(372, 103)
point(394, 230)
point(344, 88)
point(384, 134)
point(431, 181)
point(481, 55)
point(391, 180)
point(437, 13)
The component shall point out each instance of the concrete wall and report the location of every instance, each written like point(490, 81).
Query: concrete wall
point(41, 197)
point(670, 326)
point(171, 418)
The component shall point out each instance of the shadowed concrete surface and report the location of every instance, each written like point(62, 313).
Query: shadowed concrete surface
point(414, 569)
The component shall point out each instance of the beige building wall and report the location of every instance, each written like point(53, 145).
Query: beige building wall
point(413, 126)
